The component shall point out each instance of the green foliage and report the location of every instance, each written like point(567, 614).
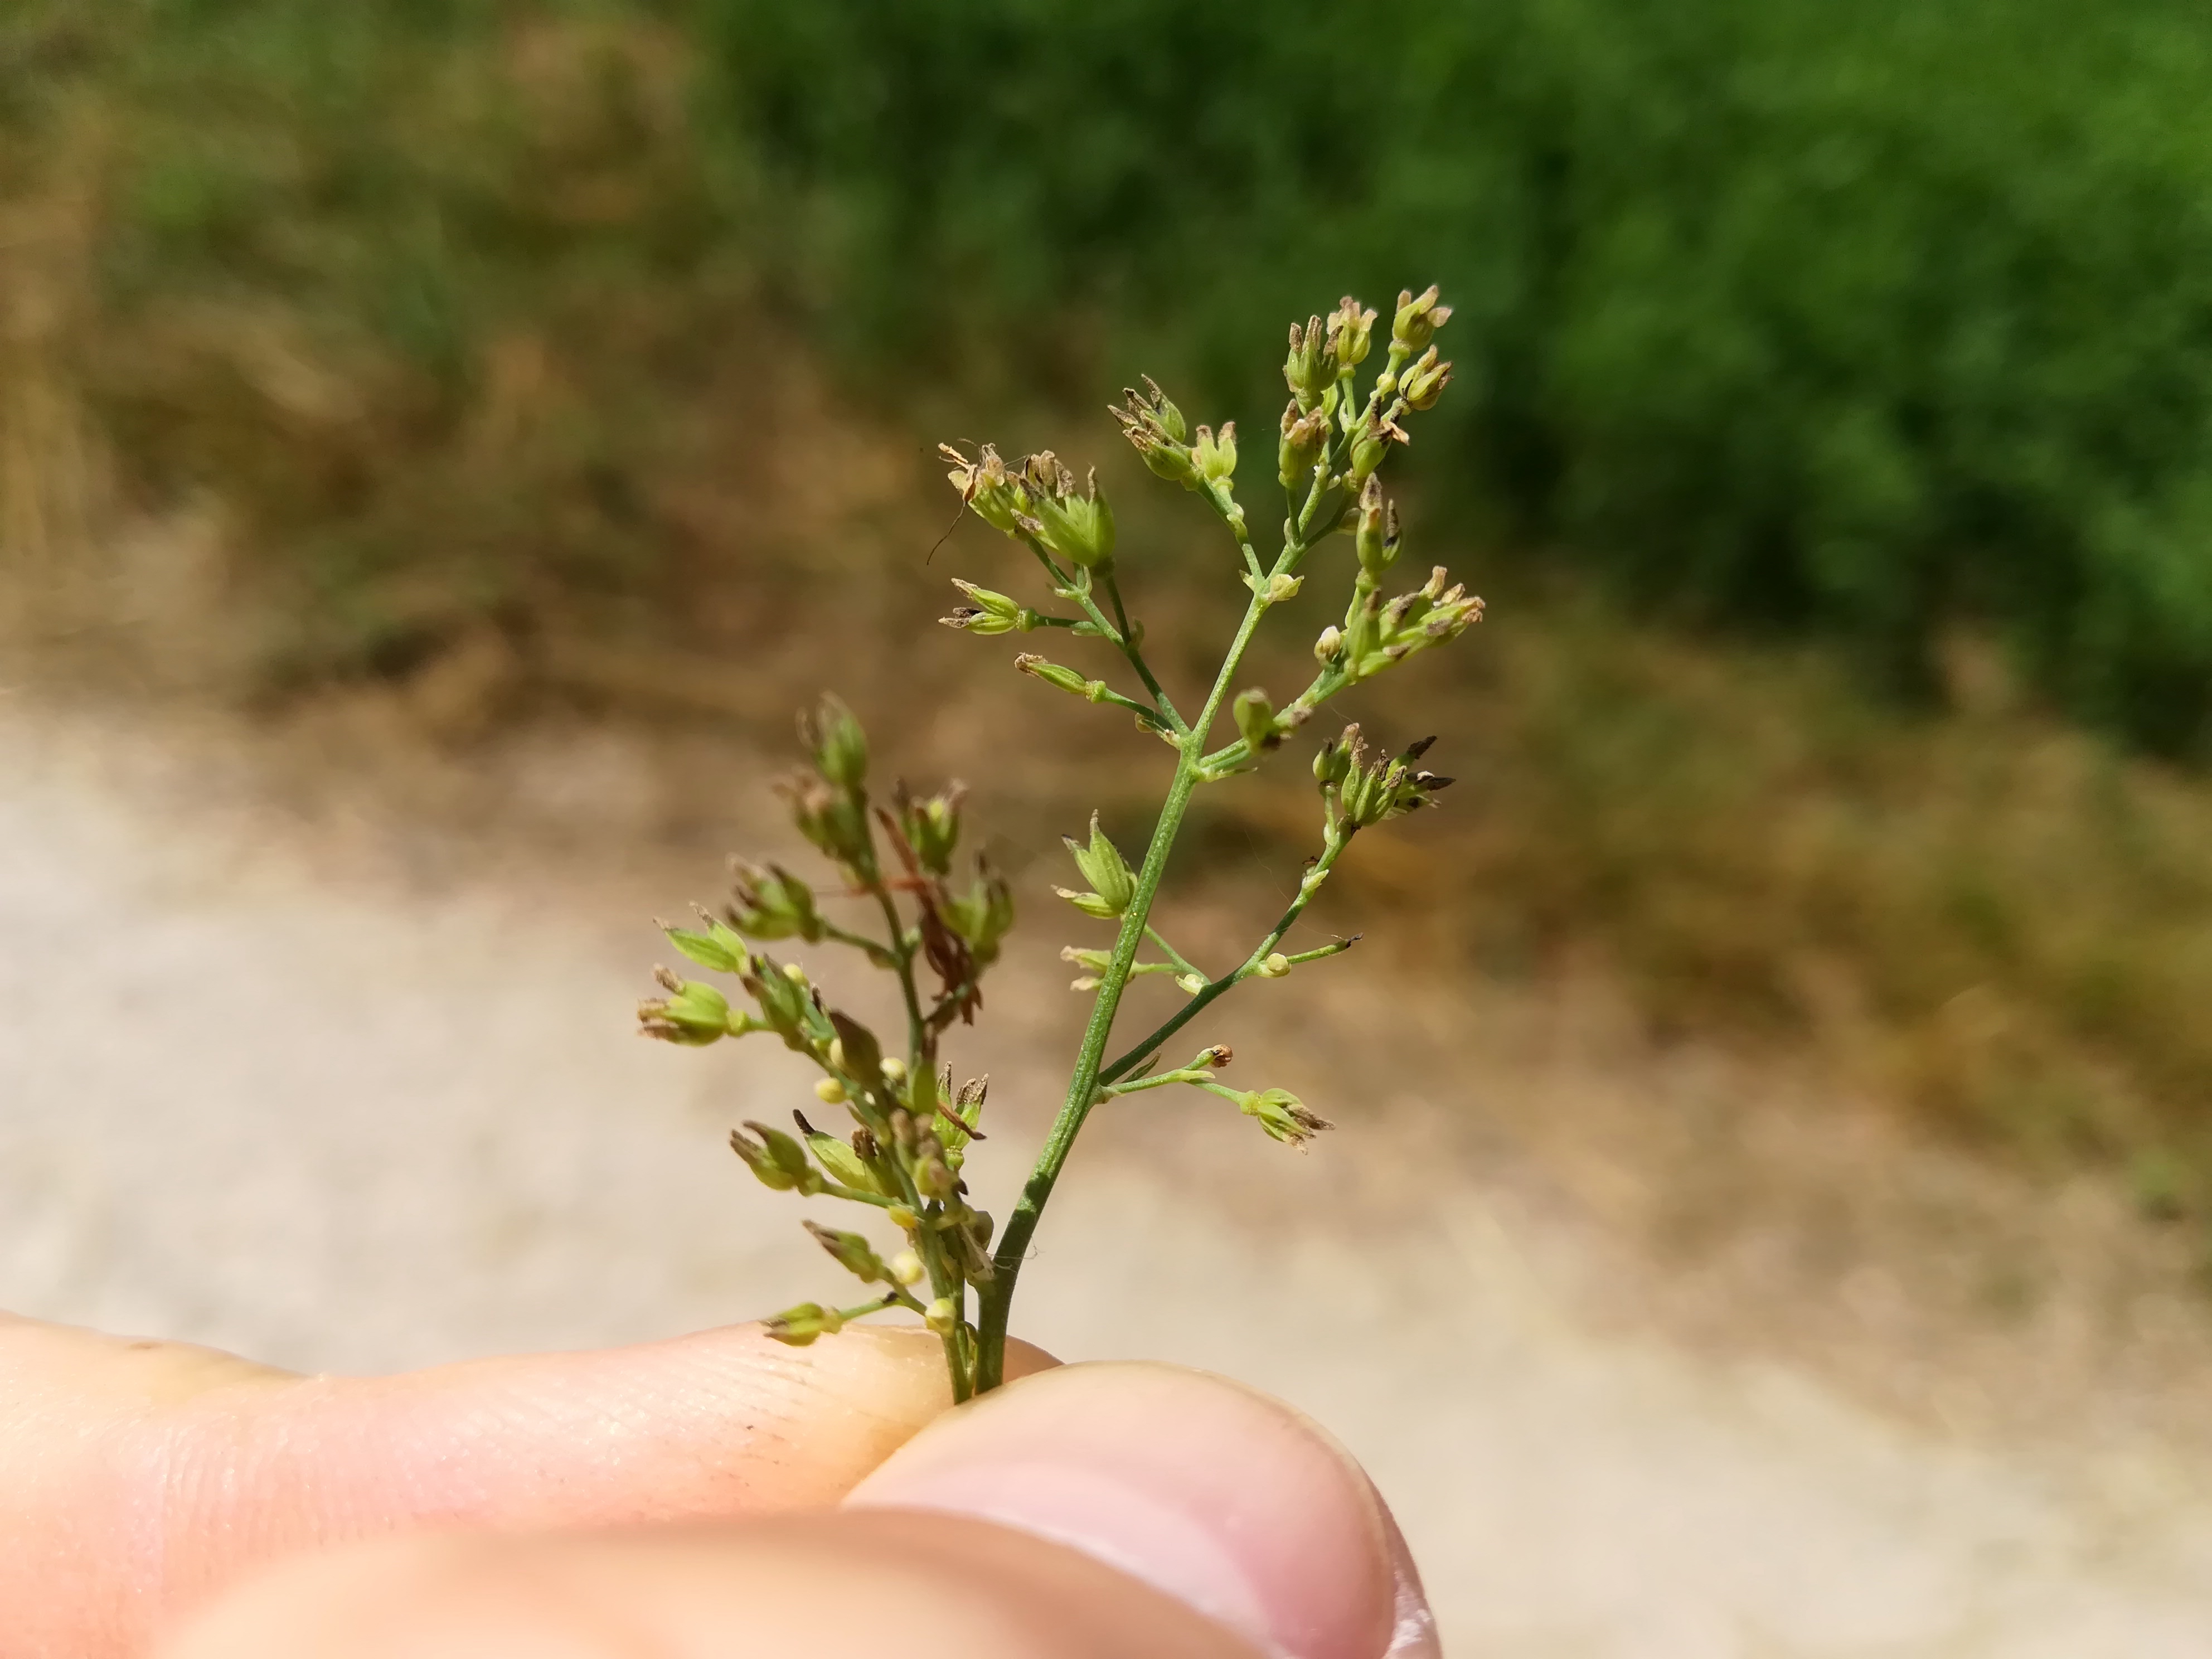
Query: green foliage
point(1856, 317)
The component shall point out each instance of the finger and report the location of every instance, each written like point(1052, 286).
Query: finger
point(141, 1476)
point(851, 1586)
point(1215, 1494)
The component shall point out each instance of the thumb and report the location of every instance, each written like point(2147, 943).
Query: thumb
point(144, 1476)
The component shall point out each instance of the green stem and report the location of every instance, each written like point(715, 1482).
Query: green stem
point(996, 1298)
point(1128, 641)
point(922, 1054)
point(1076, 586)
point(1159, 1080)
point(1308, 887)
point(1182, 963)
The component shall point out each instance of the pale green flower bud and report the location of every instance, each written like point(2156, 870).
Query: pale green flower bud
point(840, 747)
point(851, 1252)
point(772, 904)
point(930, 825)
point(1053, 673)
point(1255, 720)
point(1418, 318)
point(1311, 367)
point(776, 1160)
point(986, 486)
point(1304, 435)
point(1375, 538)
point(1283, 1115)
point(1274, 965)
point(941, 1315)
point(1105, 868)
point(1424, 382)
point(1350, 326)
point(1215, 457)
point(799, 1326)
point(907, 1268)
point(1331, 641)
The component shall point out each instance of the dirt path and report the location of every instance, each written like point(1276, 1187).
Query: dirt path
point(314, 1089)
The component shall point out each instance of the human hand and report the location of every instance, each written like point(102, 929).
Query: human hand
point(720, 1493)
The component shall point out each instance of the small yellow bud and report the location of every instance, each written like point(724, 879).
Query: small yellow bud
point(1274, 966)
point(794, 972)
point(906, 1267)
point(829, 1092)
point(1330, 643)
point(1191, 984)
point(942, 1316)
point(901, 1217)
point(894, 1069)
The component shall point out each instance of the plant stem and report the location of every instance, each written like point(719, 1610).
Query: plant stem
point(996, 1298)
point(921, 1059)
point(1308, 887)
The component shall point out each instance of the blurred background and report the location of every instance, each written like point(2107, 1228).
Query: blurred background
point(441, 441)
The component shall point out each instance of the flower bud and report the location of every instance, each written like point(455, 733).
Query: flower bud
point(1376, 539)
point(717, 948)
point(1334, 760)
point(1419, 319)
point(776, 1160)
point(1112, 882)
point(1053, 673)
point(1305, 437)
point(983, 915)
point(1274, 965)
point(941, 1315)
point(1255, 720)
point(693, 1013)
point(1283, 1115)
point(1215, 457)
point(1350, 326)
point(841, 1159)
point(1079, 528)
point(1424, 382)
point(772, 904)
point(1190, 984)
point(907, 1269)
point(850, 1251)
point(1154, 427)
point(829, 1092)
point(932, 826)
point(986, 486)
point(1326, 648)
point(992, 613)
point(840, 747)
point(799, 1326)
point(1311, 367)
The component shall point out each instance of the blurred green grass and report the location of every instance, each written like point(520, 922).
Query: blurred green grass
point(449, 344)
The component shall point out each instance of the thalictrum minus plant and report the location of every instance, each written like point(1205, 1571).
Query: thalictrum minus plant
point(902, 1152)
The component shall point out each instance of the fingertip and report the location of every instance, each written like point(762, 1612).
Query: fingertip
point(1210, 1491)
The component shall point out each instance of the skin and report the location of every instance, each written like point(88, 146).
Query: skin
point(720, 1493)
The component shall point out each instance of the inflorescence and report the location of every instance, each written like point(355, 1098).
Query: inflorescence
point(909, 1128)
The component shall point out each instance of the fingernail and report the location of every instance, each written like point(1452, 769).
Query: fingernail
point(1202, 1488)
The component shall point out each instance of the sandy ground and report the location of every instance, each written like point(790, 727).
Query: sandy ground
point(1659, 1355)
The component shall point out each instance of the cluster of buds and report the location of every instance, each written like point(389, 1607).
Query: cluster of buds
point(692, 1013)
point(1360, 792)
point(1375, 636)
point(770, 902)
point(991, 613)
point(1037, 499)
point(1155, 429)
